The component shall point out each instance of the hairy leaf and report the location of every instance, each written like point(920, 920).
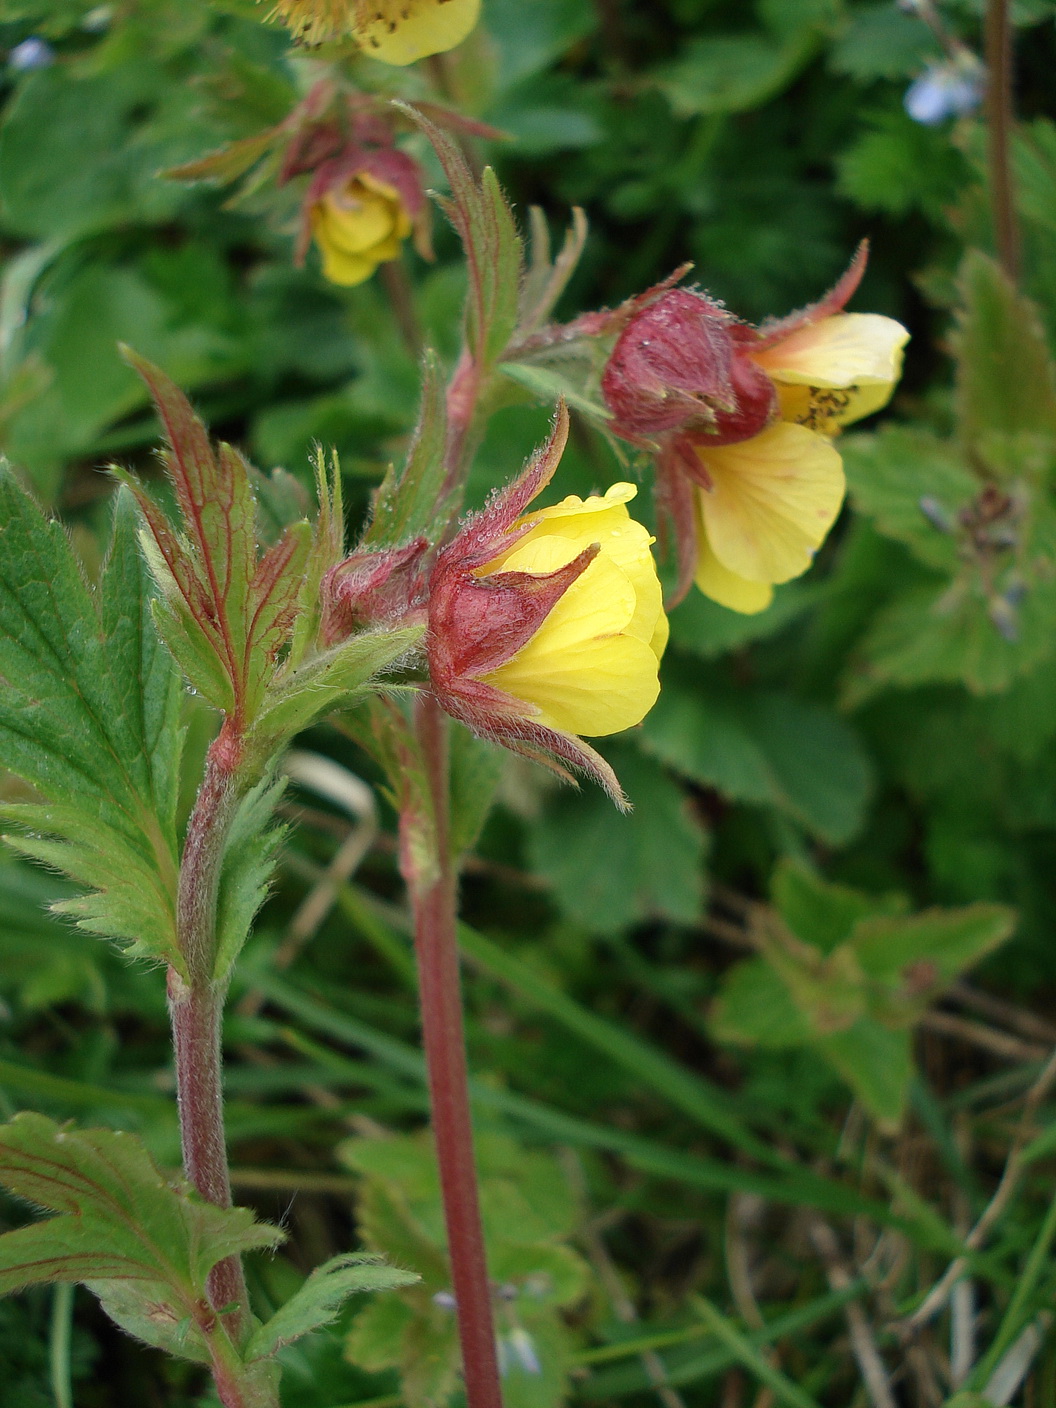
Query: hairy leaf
point(412, 502)
point(484, 223)
point(336, 676)
point(321, 1297)
point(1006, 381)
point(88, 717)
point(145, 1243)
point(226, 616)
point(249, 859)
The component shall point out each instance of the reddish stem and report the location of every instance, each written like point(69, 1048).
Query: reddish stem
point(436, 946)
point(196, 1014)
point(196, 1008)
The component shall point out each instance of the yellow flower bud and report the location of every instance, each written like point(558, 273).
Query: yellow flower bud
point(358, 226)
point(591, 667)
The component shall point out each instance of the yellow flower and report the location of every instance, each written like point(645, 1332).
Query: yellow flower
point(774, 497)
point(591, 667)
point(358, 226)
point(401, 31)
point(395, 31)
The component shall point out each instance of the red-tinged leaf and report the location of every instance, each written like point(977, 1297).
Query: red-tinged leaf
point(274, 594)
point(173, 570)
point(484, 222)
point(326, 551)
point(774, 329)
point(227, 163)
point(452, 121)
point(482, 534)
point(220, 602)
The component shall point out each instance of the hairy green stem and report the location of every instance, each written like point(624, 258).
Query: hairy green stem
point(999, 118)
point(434, 899)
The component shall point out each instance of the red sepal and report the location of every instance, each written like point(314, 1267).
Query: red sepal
point(776, 329)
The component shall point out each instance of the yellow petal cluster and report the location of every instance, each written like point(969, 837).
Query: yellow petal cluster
point(394, 31)
point(775, 497)
point(358, 226)
point(591, 667)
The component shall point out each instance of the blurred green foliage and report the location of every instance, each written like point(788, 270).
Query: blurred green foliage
point(888, 723)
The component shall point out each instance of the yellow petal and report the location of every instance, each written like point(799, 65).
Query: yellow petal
point(848, 349)
point(604, 519)
point(582, 670)
point(826, 409)
point(725, 587)
point(345, 269)
point(401, 31)
point(354, 219)
point(773, 500)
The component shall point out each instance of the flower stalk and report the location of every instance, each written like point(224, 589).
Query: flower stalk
point(434, 899)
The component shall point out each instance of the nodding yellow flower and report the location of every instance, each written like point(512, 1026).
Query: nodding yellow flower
point(772, 499)
point(394, 31)
point(591, 666)
point(357, 226)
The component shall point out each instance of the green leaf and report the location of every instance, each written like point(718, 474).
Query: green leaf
point(913, 486)
point(709, 630)
point(476, 771)
point(412, 502)
point(319, 1300)
point(249, 860)
point(876, 1061)
point(930, 949)
point(900, 166)
point(375, 1341)
point(1034, 164)
point(816, 911)
point(734, 72)
point(306, 694)
point(71, 157)
point(609, 870)
point(88, 717)
point(528, 1211)
point(755, 1007)
point(1006, 381)
point(549, 385)
point(770, 749)
point(943, 634)
point(484, 221)
point(144, 1243)
point(879, 41)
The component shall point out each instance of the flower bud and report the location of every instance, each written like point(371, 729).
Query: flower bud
point(360, 207)
point(680, 363)
point(373, 588)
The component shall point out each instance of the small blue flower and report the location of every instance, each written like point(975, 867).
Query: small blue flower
point(944, 90)
point(30, 54)
point(518, 1348)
